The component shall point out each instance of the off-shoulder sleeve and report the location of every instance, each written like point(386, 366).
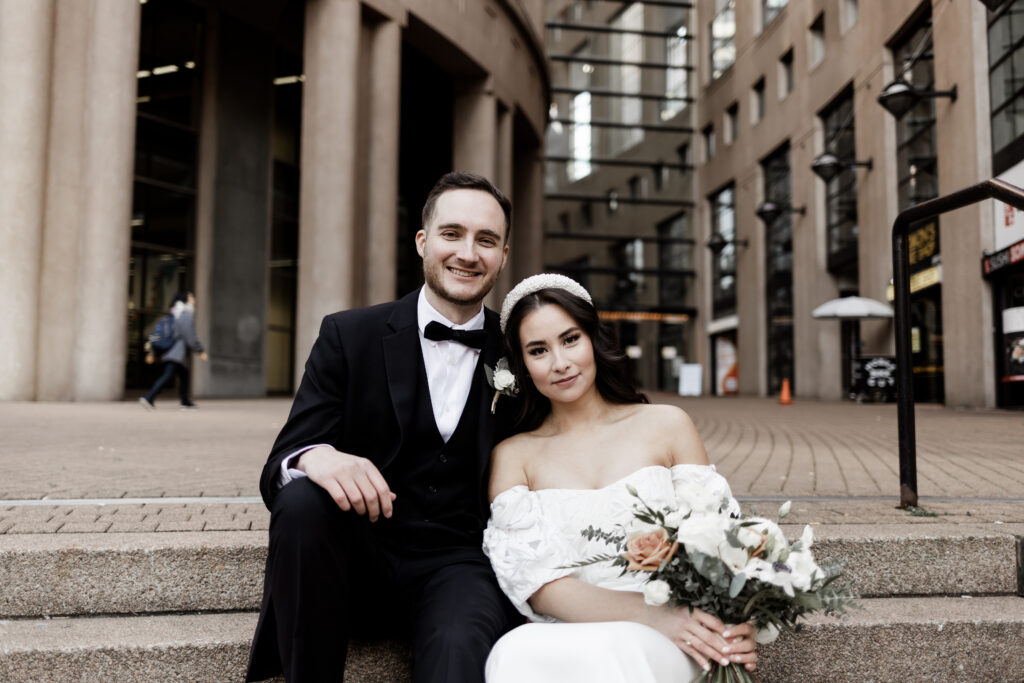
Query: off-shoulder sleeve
point(523, 553)
point(700, 486)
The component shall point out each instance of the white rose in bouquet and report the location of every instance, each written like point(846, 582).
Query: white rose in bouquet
point(702, 533)
point(801, 561)
point(656, 592)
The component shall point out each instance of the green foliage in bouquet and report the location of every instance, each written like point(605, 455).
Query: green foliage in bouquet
point(737, 568)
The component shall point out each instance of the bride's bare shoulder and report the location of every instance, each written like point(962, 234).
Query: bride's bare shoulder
point(672, 431)
point(508, 464)
point(664, 417)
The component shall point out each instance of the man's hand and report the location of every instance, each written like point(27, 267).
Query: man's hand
point(204, 356)
point(354, 483)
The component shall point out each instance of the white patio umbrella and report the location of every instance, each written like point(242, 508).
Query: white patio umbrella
point(852, 308)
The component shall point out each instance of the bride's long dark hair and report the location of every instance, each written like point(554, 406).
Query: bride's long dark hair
point(614, 380)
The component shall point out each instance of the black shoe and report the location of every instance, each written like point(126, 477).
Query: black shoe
point(189, 406)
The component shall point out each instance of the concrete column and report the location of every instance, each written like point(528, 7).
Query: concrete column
point(965, 158)
point(64, 187)
point(752, 341)
point(382, 210)
point(475, 116)
point(504, 170)
point(236, 173)
point(108, 162)
point(816, 343)
point(327, 203)
point(26, 31)
point(527, 256)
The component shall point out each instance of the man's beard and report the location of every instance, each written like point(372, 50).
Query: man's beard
point(433, 280)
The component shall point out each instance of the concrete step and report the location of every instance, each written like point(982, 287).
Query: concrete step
point(113, 573)
point(893, 639)
point(175, 647)
point(906, 639)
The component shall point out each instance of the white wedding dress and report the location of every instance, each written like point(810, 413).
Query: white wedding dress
point(533, 535)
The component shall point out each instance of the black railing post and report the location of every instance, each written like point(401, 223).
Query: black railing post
point(994, 189)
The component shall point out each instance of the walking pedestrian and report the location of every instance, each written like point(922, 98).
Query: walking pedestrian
point(176, 360)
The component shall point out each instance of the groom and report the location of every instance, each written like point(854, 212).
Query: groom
point(377, 482)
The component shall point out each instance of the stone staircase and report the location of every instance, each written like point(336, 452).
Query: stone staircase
point(940, 603)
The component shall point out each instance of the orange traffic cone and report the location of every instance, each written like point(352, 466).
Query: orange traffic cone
point(785, 399)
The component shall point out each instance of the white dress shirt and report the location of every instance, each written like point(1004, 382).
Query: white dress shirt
point(450, 367)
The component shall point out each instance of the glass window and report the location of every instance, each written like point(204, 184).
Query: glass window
point(582, 137)
point(676, 75)
point(916, 150)
point(786, 77)
point(723, 264)
point(770, 9)
point(732, 120)
point(841, 191)
point(168, 102)
point(757, 105)
point(816, 42)
point(627, 47)
point(723, 39)
point(709, 142)
point(848, 15)
point(779, 271)
point(1006, 84)
point(675, 253)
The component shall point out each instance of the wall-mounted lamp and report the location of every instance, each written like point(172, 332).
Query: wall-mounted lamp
point(717, 243)
point(899, 97)
point(768, 210)
point(827, 166)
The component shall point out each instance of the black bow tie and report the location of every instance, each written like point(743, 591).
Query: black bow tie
point(435, 331)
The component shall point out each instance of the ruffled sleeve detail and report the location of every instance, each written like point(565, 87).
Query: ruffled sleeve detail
point(700, 486)
point(523, 557)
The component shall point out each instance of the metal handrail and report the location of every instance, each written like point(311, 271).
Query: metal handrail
point(989, 189)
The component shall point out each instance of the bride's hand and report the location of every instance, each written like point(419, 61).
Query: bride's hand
point(704, 637)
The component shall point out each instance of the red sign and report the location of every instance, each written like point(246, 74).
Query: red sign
point(1003, 258)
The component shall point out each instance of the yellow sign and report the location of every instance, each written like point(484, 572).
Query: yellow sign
point(918, 281)
point(922, 243)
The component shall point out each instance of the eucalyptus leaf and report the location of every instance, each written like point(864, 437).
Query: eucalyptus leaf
point(737, 584)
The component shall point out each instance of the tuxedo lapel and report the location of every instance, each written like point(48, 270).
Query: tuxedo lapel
point(401, 350)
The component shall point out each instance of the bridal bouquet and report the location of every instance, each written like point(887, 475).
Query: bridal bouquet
point(736, 568)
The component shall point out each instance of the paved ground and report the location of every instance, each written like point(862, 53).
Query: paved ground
point(837, 460)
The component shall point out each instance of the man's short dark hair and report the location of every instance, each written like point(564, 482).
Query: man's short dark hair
point(467, 181)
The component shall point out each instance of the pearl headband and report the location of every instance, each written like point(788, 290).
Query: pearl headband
point(535, 283)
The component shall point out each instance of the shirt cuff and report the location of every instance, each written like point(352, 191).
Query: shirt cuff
point(289, 473)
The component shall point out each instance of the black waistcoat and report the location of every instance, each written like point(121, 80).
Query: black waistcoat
point(437, 483)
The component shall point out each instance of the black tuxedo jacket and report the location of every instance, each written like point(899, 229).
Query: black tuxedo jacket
point(358, 391)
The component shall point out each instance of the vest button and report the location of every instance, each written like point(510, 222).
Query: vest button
point(432, 489)
point(443, 457)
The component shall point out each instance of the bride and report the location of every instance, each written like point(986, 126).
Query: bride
point(588, 434)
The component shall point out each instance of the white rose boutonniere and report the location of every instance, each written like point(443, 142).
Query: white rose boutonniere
point(501, 379)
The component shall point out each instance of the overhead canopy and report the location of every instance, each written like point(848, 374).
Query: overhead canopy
point(852, 308)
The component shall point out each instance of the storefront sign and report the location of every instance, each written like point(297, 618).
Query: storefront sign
point(1001, 259)
point(918, 281)
point(923, 243)
point(875, 377)
point(1008, 222)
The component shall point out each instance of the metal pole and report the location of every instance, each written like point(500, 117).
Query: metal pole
point(994, 189)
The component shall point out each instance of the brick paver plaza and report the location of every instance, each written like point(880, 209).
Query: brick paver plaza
point(839, 460)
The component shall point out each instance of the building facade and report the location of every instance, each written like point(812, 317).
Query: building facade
point(272, 157)
point(780, 87)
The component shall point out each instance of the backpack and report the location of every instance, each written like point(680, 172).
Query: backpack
point(162, 338)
